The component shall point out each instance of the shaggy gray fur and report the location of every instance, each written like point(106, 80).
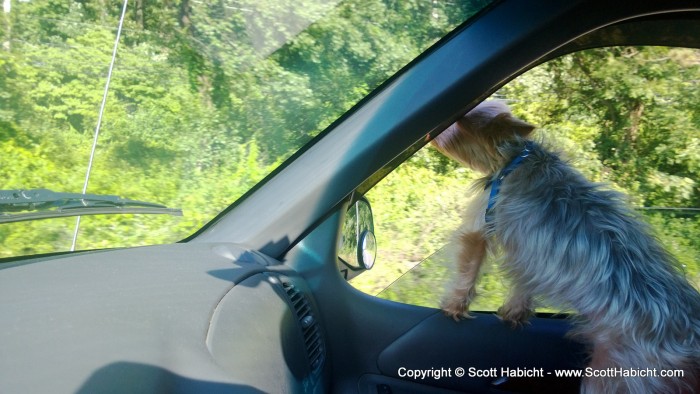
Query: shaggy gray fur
point(579, 245)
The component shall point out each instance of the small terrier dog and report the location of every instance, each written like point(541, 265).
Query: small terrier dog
point(577, 245)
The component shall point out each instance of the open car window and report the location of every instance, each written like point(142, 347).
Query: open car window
point(625, 116)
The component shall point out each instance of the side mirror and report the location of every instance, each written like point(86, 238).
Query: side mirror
point(358, 246)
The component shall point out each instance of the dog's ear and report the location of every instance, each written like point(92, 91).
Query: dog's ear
point(450, 142)
point(505, 124)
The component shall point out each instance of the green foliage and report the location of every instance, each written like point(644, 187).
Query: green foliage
point(206, 98)
point(680, 233)
point(424, 283)
point(636, 109)
point(405, 207)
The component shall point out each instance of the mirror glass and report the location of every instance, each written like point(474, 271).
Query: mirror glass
point(367, 251)
point(358, 246)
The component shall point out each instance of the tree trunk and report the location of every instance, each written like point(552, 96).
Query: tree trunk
point(139, 14)
point(7, 7)
point(635, 121)
point(185, 11)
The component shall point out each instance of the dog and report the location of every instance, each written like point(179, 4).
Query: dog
point(576, 244)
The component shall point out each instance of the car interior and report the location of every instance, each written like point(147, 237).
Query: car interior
point(258, 300)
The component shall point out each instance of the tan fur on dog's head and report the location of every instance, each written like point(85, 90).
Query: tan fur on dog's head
point(475, 139)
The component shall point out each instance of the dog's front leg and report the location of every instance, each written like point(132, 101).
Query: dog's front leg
point(471, 255)
point(518, 308)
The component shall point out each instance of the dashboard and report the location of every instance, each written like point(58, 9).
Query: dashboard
point(172, 318)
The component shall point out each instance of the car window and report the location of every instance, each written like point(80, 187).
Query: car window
point(626, 116)
point(195, 103)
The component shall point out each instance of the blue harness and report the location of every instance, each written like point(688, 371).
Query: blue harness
point(495, 183)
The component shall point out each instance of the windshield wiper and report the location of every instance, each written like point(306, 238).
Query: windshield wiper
point(31, 204)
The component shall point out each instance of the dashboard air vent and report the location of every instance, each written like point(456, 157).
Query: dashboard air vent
point(309, 326)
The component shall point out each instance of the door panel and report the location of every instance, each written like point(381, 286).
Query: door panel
point(487, 350)
point(370, 339)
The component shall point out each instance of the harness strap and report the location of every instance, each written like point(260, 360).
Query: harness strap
point(495, 182)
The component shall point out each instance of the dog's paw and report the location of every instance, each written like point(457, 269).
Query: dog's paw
point(514, 317)
point(457, 316)
point(456, 309)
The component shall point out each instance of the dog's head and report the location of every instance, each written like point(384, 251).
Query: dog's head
point(474, 140)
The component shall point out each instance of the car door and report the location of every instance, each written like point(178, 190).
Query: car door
point(382, 346)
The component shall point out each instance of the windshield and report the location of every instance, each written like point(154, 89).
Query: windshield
point(180, 104)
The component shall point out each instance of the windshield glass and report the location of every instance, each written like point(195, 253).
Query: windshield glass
point(181, 106)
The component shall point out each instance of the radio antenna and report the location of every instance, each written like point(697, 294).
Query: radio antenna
point(99, 119)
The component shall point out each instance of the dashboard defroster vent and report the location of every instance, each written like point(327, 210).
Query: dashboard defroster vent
point(309, 325)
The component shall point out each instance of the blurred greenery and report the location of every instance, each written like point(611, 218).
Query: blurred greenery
point(624, 116)
point(206, 98)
